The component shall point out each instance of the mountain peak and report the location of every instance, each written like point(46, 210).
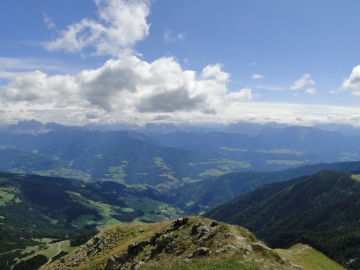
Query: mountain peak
point(34, 127)
point(26, 127)
point(186, 243)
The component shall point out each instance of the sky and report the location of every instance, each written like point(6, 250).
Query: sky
point(198, 61)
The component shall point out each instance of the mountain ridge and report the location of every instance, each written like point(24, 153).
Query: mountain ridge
point(186, 243)
point(320, 210)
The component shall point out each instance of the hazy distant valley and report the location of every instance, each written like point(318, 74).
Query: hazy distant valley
point(63, 183)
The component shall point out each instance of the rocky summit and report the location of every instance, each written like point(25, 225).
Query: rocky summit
point(186, 243)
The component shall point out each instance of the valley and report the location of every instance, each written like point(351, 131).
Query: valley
point(69, 183)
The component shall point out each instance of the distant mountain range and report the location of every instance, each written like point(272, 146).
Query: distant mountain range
point(166, 156)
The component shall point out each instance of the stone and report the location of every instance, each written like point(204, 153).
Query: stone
point(122, 258)
point(177, 224)
point(214, 223)
point(135, 249)
point(199, 252)
point(221, 250)
point(110, 263)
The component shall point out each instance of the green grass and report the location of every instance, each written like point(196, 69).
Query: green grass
point(50, 251)
point(62, 172)
point(42, 240)
point(104, 210)
point(356, 177)
point(158, 161)
point(212, 172)
point(308, 258)
point(6, 146)
point(117, 174)
point(233, 149)
point(286, 162)
point(221, 166)
point(51, 220)
point(203, 264)
point(347, 156)
point(171, 181)
point(281, 151)
point(154, 210)
point(65, 246)
point(84, 220)
point(190, 203)
point(71, 162)
point(7, 196)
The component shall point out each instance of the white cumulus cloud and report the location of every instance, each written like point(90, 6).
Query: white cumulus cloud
point(120, 24)
point(129, 84)
point(353, 82)
point(302, 82)
point(256, 76)
point(311, 91)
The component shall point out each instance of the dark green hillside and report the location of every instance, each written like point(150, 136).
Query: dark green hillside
point(196, 197)
point(322, 210)
point(15, 160)
point(35, 207)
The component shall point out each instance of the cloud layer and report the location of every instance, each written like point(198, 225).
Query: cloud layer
point(353, 82)
point(120, 25)
point(129, 84)
point(302, 82)
point(128, 89)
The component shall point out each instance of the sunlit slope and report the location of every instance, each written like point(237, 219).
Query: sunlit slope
point(187, 243)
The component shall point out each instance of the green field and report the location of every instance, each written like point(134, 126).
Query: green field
point(308, 258)
point(48, 250)
point(212, 172)
point(356, 177)
point(118, 173)
point(158, 161)
point(7, 196)
point(347, 156)
point(233, 149)
point(62, 172)
point(281, 151)
point(286, 162)
point(104, 210)
point(222, 166)
point(51, 220)
point(5, 146)
point(154, 210)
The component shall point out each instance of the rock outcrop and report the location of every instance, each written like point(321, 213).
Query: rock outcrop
point(181, 241)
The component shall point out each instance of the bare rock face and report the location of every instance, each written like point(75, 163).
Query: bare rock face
point(135, 249)
point(177, 224)
point(198, 252)
point(110, 263)
point(200, 229)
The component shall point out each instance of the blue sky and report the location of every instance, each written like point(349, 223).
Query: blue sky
point(108, 61)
